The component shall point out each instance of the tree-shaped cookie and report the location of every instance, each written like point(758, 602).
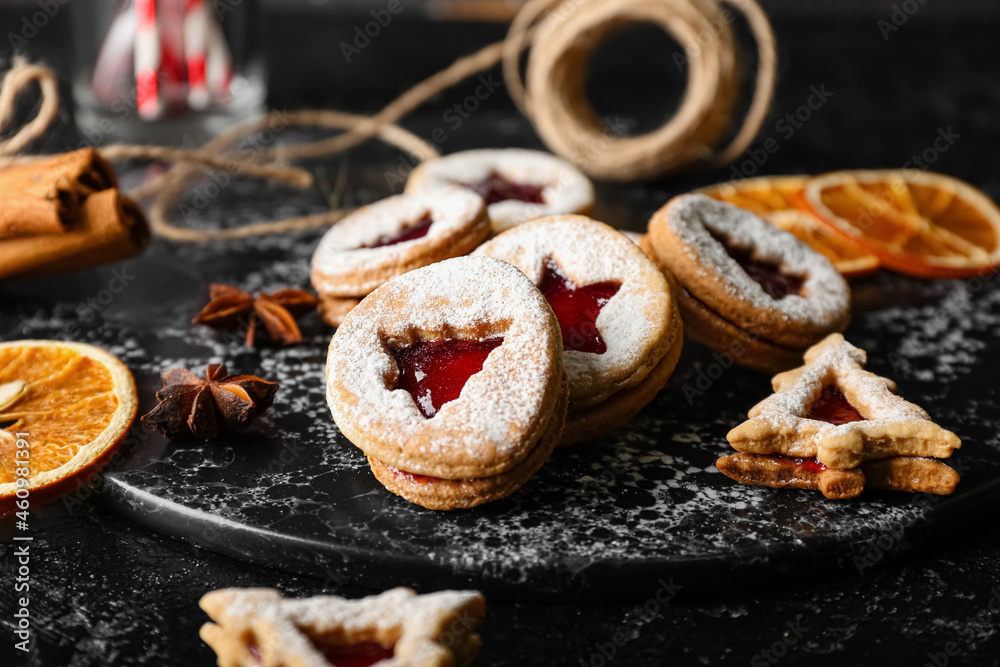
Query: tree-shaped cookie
point(833, 410)
point(258, 627)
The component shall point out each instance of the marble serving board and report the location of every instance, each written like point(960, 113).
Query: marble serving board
point(609, 517)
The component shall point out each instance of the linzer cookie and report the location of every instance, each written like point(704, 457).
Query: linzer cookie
point(389, 238)
point(832, 426)
point(621, 331)
point(398, 628)
point(746, 288)
point(518, 185)
point(450, 379)
point(914, 474)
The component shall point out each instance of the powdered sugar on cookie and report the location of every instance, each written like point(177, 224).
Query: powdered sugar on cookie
point(498, 417)
point(695, 218)
point(633, 323)
point(891, 426)
point(565, 188)
point(343, 253)
point(419, 628)
point(835, 361)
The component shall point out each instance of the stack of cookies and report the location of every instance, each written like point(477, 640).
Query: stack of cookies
point(746, 288)
point(388, 238)
point(834, 427)
point(477, 353)
point(458, 376)
point(456, 379)
point(620, 327)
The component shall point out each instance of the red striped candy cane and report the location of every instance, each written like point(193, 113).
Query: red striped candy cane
point(219, 64)
point(147, 59)
point(195, 38)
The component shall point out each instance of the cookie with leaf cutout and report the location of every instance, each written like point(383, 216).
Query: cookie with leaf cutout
point(259, 627)
point(830, 416)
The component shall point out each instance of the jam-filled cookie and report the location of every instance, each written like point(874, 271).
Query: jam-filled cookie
point(621, 330)
point(450, 379)
point(837, 428)
point(258, 627)
point(518, 185)
point(390, 237)
point(913, 474)
point(746, 288)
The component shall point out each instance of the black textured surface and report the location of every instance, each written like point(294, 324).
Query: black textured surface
point(110, 592)
point(615, 515)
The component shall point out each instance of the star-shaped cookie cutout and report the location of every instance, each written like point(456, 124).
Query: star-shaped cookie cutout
point(577, 307)
point(398, 628)
point(834, 410)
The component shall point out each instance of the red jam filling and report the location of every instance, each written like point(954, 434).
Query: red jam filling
point(364, 654)
point(577, 308)
point(412, 476)
point(810, 464)
point(417, 230)
point(834, 408)
point(496, 188)
point(768, 275)
point(434, 372)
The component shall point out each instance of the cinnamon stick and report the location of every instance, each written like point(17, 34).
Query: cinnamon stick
point(45, 197)
point(109, 227)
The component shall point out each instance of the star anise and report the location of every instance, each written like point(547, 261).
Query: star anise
point(231, 309)
point(190, 406)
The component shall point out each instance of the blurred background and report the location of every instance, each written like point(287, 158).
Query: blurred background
point(302, 41)
point(899, 73)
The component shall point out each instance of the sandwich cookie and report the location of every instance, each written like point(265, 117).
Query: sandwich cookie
point(746, 288)
point(259, 627)
point(390, 237)
point(518, 185)
point(450, 379)
point(837, 428)
point(621, 330)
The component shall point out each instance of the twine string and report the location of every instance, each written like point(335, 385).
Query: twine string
point(560, 36)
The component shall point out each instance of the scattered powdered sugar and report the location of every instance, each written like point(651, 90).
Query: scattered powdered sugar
point(497, 407)
point(693, 217)
point(942, 341)
point(567, 190)
point(648, 494)
point(634, 320)
point(340, 255)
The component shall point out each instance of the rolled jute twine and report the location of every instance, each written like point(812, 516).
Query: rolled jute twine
point(560, 37)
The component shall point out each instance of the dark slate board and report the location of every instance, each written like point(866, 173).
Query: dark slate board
point(608, 517)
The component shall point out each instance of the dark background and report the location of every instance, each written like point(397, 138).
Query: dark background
point(110, 592)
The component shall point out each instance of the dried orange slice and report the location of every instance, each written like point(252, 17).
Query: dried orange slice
point(916, 222)
point(777, 199)
point(69, 406)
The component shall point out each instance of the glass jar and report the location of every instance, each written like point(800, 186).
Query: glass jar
point(171, 72)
